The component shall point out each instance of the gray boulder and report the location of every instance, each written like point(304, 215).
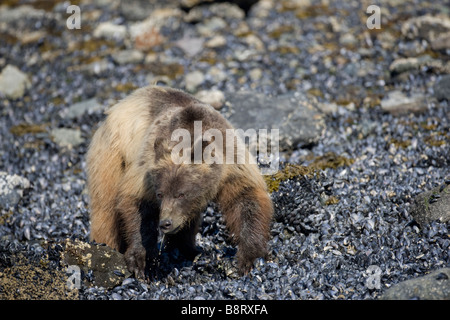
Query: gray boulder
point(432, 205)
point(434, 286)
point(295, 115)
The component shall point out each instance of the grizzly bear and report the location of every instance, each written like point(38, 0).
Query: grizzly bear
point(137, 190)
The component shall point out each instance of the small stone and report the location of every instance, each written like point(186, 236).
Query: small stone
point(193, 80)
point(146, 34)
point(13, 82)
point(78, 109)
point(215, 98)
point(190, 45)
point(256, 74)
point(442, 88)
point(211, 26)
point(347, 39)
point(12, 188)
point(110, 30)
point(216, 42)
point(441, 42)
point(128, 56)
point(66, 137)
point(398, 103)
point(216, 74)
point(407, 64)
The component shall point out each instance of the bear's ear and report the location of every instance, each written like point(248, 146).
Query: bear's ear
point(159, 147)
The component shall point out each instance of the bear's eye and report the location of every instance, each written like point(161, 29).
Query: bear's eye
point(181, 196)
point(159, 195)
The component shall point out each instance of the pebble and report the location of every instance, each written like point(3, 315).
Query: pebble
point(110, 30)
point(78, 109)
point(442, 88)
point(215, 98)
point(13, 82)
point(12, 188)
point(66, 137)
point(193, 80)
point(397, 102)
point(128, 56)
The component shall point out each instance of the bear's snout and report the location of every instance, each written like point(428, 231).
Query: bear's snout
point(165, 225)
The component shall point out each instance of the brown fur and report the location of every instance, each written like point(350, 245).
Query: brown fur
point(134, 185)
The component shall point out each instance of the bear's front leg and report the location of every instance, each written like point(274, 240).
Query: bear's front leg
point(136, 220)
point(248, 212)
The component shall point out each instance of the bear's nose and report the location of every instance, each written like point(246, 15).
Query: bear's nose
point(165, 225)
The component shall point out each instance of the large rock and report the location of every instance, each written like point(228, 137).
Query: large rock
point(295, 115)
point(12, 189)
point(13, 82)
point(434, 286)
point(432, 205)
point(107, 266)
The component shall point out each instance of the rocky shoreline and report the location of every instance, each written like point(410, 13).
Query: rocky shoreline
point(362, 196)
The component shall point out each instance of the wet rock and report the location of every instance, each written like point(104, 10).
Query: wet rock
point(107, 266)
point(434, 286)
point(442, 88)
point(293, 114)
point(399, 103)
point(432, 205)
point(13, 82)
point(12, 188)
point(78, 109)
point(66, 137)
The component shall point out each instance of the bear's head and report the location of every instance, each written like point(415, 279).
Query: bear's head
point(181, 189)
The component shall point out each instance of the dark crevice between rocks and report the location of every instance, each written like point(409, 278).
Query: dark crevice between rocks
point(245, 5)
